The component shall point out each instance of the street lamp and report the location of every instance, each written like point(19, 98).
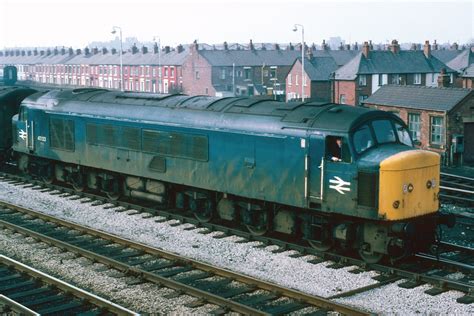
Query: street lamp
point(159, 63)
point(302, 57)
point(114, 30)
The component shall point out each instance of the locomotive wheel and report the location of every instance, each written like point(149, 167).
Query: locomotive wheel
point(77, 182)
point(77, 187)
point(370, 257)
point(47, 175)
point(114, 196)
point(257, 231)
point(320, 246)
point(203, 210)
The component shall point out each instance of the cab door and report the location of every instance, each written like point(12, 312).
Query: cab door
point(339, 181)
point(25, 131)
point(315, 166)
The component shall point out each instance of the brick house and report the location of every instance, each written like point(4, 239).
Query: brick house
point(369, 70)
point(246, 72)
point(319, 65)
point(101, 68)
point(434, 115)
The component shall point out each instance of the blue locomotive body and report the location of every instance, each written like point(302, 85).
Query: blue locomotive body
point(265, 164)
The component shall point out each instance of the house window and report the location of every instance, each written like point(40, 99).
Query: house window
point(451, 78)
point(362, 80)
point(437, 130)
point(247, 73)
point(273, 72)
point(362, 98)
point(342, 99)
point(417, 79)
point(153, 70)
point(289, 78)
point(395, 79)
point(196, 75)
point(171, 72)
point(296, 79)
point(414, 126)
point(265, 73)
point(166, 71)
point(223, 73)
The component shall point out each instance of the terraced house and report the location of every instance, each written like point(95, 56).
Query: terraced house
point(241, 71)
point(370, 69)
point(144, 70)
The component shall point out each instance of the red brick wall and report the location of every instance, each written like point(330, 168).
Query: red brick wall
point(296, 88)
point(347, 88)
point(192, 85)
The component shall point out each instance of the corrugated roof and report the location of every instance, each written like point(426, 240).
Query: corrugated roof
point(418, 97)
point(386, 62)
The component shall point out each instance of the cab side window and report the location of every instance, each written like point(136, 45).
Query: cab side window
point(337, 149)
point(23, 114)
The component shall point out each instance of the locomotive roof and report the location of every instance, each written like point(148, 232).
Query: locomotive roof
point(245, 114)
point(9, 94)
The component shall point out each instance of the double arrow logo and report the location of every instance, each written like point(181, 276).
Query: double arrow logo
point(340, 185)
point(22, 134)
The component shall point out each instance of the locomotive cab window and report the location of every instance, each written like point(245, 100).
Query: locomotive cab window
point(337, 149)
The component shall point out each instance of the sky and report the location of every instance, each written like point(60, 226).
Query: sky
point(30, 23)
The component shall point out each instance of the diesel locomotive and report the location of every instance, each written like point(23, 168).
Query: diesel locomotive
point(267, 165)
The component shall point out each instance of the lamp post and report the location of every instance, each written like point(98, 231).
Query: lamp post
point(302, 57)
point(114, 30)
point(159, 63)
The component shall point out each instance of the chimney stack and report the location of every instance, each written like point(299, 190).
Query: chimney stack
point(134, 49)
point(427, 49)
point(413, 46)
point(226, 46)
point(56, 51)
point(309, 53)
point(95, 50)
point(63, 51)
point(113, 51)
point(87, 51)
point(104, 50)
point(29, 53)
point(395, 48)
point(365, 49)
point(23, 53)
point(341, 46)
point(324, 46)
point(35, 52)
point(348, 46)
point(455, 46)
point(356, 46)
point(444, 79)
point(435, 45)
point(276, 46)
point(180, 48)
point(371, 47)
point(251, 47)
point(48, 52)
point(290, 47)
point(78, 51)
point(167, 49)
point(42, 52)
point(144, 50)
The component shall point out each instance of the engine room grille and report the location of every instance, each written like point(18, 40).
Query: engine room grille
point(176, 144)
point(113, 136)
point(367, 189)
point(61, 134)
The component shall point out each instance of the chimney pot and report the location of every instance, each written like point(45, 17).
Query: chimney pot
point(395, 48)
point(155, 48)
point(251, 47)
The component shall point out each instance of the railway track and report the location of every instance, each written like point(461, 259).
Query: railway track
point(457, 189)
point(231, 291)
point(420, 270)
point(27, 291)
